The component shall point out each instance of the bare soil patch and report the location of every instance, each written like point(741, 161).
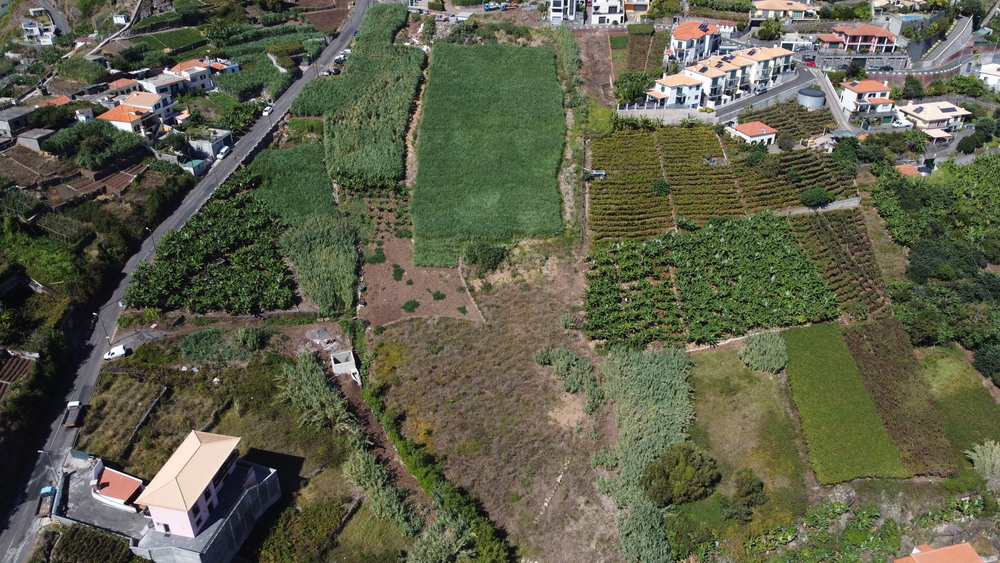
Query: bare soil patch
point(385, 296)
point(510, 433)
point(595, 53)
point(328, 20)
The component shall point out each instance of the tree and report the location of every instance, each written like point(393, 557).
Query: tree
point(913, 89)
point(968, 145)
point(856, 71)
point(769, 30)
point(632, 85)
point(50, 117)
point(683, 473)
point(786, 141)
point(987, 126)
point(987, 361)
point(793, 176)
point(815, 197)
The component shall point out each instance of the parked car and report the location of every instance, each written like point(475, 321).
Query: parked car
point(71, 418)
point(326, 72)
point(902, 124)
point(268, 110)
point(809, 63)
point(119, 351)
point(345, 52)
point(887, 68)
point(340, 60)
point(223, 153)
point(335, 71)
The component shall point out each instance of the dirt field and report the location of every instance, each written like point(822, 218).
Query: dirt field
point(385, 295)
point(328, 20)
point(512, 436)
point(595, 53)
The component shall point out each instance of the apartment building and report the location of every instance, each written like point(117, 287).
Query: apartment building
point(862, 38)
point(694, 40)
point(867, 99)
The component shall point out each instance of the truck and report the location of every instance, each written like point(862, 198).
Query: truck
point(71, 418)
point(45, 502)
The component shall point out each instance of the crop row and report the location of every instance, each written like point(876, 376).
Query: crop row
point(838, 245)
point(732, 276)
point(892, 376)
point(792, 117)
point(624, 205)
point(771, 187)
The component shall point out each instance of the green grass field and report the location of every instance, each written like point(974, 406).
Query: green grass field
point(968, 410)
point(490, 144)
point(844, 435)
point(295, 183)
point(741, 421)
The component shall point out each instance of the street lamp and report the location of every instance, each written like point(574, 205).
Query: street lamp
point(97, 318)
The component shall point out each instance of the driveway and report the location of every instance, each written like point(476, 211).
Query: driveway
point(60, 21)
point(848, 203)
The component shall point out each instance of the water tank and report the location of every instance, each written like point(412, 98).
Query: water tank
point(812, 98)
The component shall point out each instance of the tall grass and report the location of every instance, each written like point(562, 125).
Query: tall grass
point(490, 143)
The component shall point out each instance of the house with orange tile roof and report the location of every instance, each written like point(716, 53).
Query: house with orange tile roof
point(160, 104)
point(694, 40)
point(753, 132)
point(57, 101)
point(123, 86)
point(860, 38)
point(908, 170)
point(958, 553)
point(726, 78)
point(867, 99)
point(783, 9)
point(130, 119)
point(114, 488)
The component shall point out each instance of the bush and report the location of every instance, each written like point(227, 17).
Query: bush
point(252, 338)
point(435, 6)
point(793, 176)
point(485, 257)
point(575, 371)
point(985, 458)
point(411, 305)
point(815, 197)
point(660, 187)
point(968, 145)
point(786, 141)
point(987, 361)
point(987, 126)
point(82, 70)
point(764, 351)
point(682, 474)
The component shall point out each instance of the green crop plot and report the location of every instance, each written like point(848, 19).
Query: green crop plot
point(844, 435)
point(489, 147)
point(176, 41)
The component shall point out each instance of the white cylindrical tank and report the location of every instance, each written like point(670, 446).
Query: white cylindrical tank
point(812, 98)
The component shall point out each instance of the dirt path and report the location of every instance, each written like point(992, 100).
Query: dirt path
point(411, 135)
point(595, 52)
point(849, 203)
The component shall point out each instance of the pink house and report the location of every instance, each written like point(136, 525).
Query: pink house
point(184, 493)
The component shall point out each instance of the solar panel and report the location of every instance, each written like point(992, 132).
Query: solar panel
point(947, 110)
point(918, 110)
point(703, 69)
point(752, 52)
point(718, 64)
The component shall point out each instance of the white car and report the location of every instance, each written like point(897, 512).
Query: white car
point(268, 110)
point(223, 153)
point(902, 124)
point(345, 52)
point(116, 352)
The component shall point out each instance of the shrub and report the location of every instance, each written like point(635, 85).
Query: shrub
point(815, 197)
point(793, 176)
point(987, 126)
point(683, 473)
point(411, 305)
point(209, 346)
point(397, 272)
point(786, 141)
point(82, 70)
point(485, 257)
point(985, 458)
point(968, 145)
point(660, 187)
point(764, 351)
point(438, 296)
point(435, 6)
point(252, 338)
point(749, 489)
point(987, 361)
point(575, 371)
point(377, 257)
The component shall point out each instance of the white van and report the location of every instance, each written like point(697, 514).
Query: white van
point(116, 352)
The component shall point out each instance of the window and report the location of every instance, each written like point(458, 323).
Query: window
point(166, 528)
point(208, 493)
point(196, 510)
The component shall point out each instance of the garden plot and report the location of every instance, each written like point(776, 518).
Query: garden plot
point(844, 435)
point(489, 147)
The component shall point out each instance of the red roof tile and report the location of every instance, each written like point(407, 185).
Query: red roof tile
point(116, 485)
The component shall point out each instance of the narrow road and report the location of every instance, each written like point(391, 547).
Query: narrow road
point(15, 539)
point(730, 111)
point(952, 44)
point(849, 203)
point(58, 18)
point(832, 99)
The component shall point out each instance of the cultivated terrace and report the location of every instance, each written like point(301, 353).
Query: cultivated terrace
point(576, 333)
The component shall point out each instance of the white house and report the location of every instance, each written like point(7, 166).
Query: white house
point(562, 10)
point(160, 104)
point(754, 132)
point(726, 78)
point(606, 12)
point(990, 74)
point(867, 98)
point(676, 90)
point(782, 9)
point(119, 19)
point(196, 73)
point(932, 116)
point(38, 32)
point(129, 119)
point(694, 40)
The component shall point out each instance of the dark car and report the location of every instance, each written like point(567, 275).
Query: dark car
point(335, 71)
point(887, 68)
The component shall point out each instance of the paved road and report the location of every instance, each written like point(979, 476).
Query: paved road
point(848, 203)
point(763, 100)
point(953, 43)
point(60, 21)
point(15, 540)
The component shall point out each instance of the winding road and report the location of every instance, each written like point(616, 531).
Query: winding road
point(20, 523)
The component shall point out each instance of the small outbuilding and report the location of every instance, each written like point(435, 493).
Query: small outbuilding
point(34, 138)
point(754, 132)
